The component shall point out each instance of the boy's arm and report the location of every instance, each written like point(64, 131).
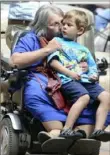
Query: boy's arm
point(60, 68)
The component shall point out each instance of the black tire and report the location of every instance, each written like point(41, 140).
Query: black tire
point(9, 139)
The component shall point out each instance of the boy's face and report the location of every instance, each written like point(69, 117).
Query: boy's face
point(69, 29)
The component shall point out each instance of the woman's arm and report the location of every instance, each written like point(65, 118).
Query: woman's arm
point(60, 68)
point(22, 60)
point(25, 59)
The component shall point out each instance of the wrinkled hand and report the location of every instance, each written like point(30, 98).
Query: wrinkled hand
point(53, 46)
point(75, 75)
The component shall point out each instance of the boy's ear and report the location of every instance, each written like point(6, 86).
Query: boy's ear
point(80, 31)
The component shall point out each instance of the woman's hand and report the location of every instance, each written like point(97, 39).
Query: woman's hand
point(53, 46)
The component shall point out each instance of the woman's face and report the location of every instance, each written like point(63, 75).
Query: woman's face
point(54, 25)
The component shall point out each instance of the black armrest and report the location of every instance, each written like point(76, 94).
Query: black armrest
point(17, 74)
point(16, 77)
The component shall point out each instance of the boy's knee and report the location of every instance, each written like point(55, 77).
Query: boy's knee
point(105, 96)
point(86, 97)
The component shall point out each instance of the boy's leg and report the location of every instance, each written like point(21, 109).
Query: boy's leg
point(75, 110)
point(102, 110)
point(101, 116)
point(98, 93)
point(87, 128)
point(78, 97)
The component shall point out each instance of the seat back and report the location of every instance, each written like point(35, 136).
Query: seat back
point(17, 96)
point(10, 33)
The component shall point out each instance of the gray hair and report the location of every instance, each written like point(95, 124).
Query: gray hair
point(40, 22)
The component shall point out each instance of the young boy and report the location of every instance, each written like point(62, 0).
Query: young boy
point(79, 82)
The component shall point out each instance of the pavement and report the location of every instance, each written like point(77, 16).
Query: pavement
point(105, 147)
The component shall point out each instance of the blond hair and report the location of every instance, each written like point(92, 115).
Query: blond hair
point(80, 17)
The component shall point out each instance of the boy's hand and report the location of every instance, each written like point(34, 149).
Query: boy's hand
point(83, 66)
point(93, 78)
point(74, 75)
point(53, 46)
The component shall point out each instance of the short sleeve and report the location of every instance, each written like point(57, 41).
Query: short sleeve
point(54, 55)
point(27, 43)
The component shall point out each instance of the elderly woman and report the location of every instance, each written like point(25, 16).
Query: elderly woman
point(29, 54)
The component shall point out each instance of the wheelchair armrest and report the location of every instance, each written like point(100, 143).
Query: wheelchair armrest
point(15, 77)
point(17, 74)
